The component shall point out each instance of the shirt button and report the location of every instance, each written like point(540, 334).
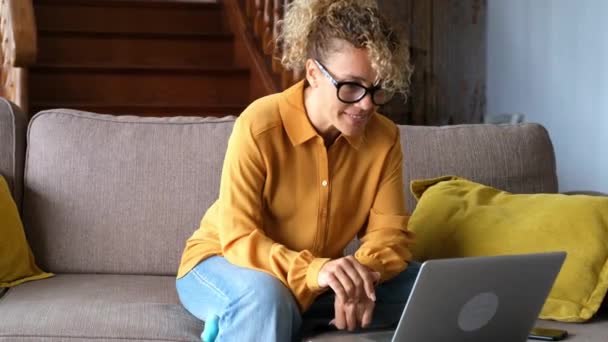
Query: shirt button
point(324, 183)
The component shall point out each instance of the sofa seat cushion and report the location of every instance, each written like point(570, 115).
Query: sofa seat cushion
point(96, 307)
point(594, 330)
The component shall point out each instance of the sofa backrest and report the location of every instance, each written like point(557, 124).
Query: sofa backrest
point(108, 194)
point(517, 158)
point(118, 194)
point(13, 124)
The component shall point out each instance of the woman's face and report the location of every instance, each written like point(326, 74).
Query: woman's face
point(331, 115)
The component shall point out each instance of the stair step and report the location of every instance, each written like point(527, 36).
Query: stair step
point(147, 49)
point(186, 86)
point(145, 109)
point(131, 3)
point(129, 16)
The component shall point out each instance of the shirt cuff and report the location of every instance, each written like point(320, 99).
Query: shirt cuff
point(312, 273)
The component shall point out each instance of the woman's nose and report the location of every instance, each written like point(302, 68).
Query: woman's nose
point(366, 102)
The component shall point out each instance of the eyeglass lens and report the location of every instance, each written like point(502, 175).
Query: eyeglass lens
point(353, 92)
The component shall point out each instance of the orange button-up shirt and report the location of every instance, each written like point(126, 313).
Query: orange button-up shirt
point(287, 204)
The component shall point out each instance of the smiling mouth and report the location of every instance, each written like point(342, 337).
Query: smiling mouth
point(357, 117)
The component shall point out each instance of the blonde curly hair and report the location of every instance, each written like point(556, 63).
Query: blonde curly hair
point(310, 27)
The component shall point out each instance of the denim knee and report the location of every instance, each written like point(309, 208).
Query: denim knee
point(269, 294)
point(250, 305)
point(267, 305)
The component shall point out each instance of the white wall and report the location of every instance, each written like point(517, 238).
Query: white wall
point(549, 60)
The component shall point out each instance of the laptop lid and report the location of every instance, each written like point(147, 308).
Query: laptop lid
point(478, 299)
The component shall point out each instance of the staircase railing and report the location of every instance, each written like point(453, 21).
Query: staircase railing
point(256, 22)
point(18, 52)
point(263, 16)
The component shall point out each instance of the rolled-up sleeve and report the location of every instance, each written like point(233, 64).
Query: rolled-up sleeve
point(385, 241)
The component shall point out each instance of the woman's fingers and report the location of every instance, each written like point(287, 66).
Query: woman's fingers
point(370, 284)
point(336, 285)
point(368, 279)
point(350, 314)
point(367, 316)
point(339, 319)
point(349, 279)
point(349, 268)
point(349, 284)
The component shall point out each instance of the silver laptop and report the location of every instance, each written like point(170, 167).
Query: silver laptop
point(485, 299)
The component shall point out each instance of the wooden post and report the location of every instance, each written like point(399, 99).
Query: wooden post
point(267, 42)
point(18, 50)
point(277, 50)
point(258, 21)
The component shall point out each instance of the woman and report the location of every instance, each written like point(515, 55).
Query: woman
point(306, 171)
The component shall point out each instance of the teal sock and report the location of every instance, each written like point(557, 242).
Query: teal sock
point(211, 329)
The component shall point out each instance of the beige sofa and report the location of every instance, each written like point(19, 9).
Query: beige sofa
point(108, 202)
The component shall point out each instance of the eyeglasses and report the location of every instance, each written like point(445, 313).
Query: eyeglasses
point(352, 92)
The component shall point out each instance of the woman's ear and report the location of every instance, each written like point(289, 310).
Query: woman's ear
point(310, 69)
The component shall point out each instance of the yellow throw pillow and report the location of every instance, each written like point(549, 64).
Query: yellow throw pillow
point(16, 260)
point(456, 217)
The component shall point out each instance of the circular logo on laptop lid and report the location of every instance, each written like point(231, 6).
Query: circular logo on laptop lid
point(478, 311)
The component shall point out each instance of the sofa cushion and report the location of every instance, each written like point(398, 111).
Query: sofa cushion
point(13, 123)
point(17, 264)
point(517, 158)
point(594, 330)
point(96, 307)
point(118, 194)
point(459, 218)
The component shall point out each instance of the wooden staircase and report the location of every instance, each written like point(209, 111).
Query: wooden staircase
point(187, 57)
point(141, 57)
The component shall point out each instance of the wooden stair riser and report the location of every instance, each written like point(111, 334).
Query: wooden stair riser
point(152, 88)
point(149, 58)
point(99, 17)
point(83, 49)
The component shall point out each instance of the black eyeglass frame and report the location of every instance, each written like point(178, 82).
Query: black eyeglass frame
point(368, 90)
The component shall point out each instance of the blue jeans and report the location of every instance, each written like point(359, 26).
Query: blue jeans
point(255, 306)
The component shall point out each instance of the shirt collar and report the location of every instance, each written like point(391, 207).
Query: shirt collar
point(293, 114)
point(295, 120)
point(356, 141)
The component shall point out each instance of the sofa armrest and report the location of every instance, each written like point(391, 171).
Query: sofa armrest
point(13, 127)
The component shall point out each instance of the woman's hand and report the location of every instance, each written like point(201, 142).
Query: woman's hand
point(350, 315)
point(350, 280)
